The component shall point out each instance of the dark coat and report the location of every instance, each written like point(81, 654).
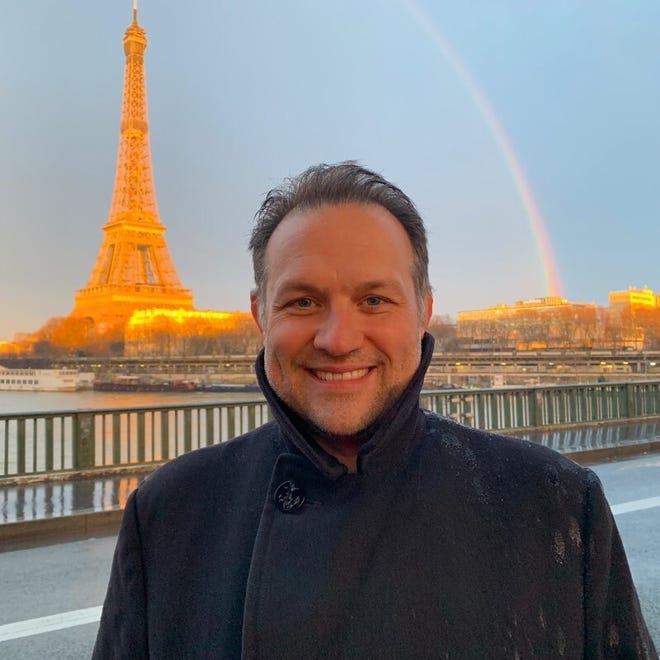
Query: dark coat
point(449, 542)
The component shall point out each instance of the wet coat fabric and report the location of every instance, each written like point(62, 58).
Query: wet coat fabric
point(448, 542)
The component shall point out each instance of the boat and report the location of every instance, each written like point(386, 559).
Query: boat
point(43, 380)
point(137, 384)
point(228, 387)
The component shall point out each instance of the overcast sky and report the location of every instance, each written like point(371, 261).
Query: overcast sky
point(481, 111)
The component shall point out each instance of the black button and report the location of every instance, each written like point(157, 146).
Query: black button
point(289, 497)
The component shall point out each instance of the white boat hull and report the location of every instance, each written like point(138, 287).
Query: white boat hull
point(42, 380)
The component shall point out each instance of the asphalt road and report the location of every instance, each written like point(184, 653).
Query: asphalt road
point(45, 590)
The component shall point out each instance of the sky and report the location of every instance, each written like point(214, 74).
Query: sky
point(527, 134)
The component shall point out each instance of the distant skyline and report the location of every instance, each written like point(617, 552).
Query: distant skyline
point(527, 135)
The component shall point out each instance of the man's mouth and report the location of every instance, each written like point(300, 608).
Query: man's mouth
point(343, 375)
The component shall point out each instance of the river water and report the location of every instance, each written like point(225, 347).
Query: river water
point(30, 402)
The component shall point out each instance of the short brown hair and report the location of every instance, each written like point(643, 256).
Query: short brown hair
point(323, 185)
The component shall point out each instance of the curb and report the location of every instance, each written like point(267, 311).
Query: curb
point(48, 531)
point(603, 454)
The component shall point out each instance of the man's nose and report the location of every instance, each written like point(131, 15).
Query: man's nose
point(340, 331)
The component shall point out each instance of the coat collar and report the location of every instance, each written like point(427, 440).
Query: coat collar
point(387, 442)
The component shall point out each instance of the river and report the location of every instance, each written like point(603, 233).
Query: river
point(30, 402)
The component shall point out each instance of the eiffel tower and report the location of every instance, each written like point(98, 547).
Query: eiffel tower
point(134, 268)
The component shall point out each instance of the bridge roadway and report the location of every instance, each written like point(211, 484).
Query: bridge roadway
point(51, 596)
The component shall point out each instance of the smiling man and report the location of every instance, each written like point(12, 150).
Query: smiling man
point(355, 524)
point(342, 320)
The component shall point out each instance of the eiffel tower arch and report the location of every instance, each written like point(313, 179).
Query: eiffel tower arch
point(134, 269)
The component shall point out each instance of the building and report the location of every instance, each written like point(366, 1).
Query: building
point(632, 322)
point(634, 318)
point(168, 332)
point(634, 299)
point(534, 324)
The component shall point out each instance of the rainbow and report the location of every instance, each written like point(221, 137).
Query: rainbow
point(539, 231)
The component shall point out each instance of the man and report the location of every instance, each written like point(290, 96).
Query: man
point(356, 525)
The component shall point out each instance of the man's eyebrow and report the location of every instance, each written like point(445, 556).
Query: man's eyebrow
point(300, 286)
point(296, 286)
point(380, 284)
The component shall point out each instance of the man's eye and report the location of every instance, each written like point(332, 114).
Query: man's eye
point(303, 303)
point(373, 301)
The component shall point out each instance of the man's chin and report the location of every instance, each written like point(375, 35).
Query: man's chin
point(341, 430)
point(345, 421)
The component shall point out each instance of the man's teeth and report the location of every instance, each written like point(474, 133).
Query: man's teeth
point(345, 375)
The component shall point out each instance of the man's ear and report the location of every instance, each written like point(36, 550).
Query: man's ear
point(428, 312)
point(254, 308)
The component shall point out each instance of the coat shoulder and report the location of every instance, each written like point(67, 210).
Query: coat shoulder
point(502, 455)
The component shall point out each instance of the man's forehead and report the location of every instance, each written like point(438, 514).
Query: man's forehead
point(366, 220)
point(354, 247)
point(303, 215)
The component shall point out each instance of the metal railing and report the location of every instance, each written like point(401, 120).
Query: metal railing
point(96, 440)
point(506, 409)
point(43, 444)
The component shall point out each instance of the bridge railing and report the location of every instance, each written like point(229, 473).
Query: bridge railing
point(506, 409)
point(43, 444)
point(46, 443)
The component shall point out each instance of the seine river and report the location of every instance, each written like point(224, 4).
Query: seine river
point(28, 402)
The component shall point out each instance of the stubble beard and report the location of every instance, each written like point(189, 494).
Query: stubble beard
point(337, 415)
point(343, 414)
point(347, 426)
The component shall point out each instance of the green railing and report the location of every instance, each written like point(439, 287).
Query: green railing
point(507, 409)
point(46, 443)
point(43, 444)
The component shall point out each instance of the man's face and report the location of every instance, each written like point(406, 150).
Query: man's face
point(341, 321)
